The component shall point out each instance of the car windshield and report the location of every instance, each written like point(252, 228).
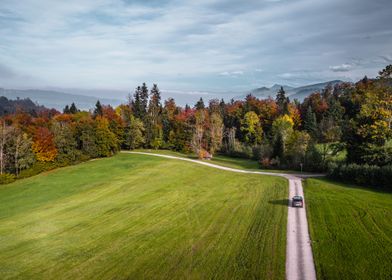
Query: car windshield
point(297, 197)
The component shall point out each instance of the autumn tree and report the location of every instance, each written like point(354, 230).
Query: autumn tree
point(282, 128)
point(6, 135)
point(43, 145)
point(65, 142)
point(85, 137)
point(106, 141)
point(133, 136)
point(216, 132)
point(251, 128)
point(297, 146)
point(22, 152)
point(198, 143)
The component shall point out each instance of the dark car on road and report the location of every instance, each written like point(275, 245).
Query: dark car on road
point(297, 201)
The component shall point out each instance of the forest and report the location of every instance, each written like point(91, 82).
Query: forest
point(344, 130)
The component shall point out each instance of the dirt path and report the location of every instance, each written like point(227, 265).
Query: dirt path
point(299, 257)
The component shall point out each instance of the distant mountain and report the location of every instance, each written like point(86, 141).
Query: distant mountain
point(8, 106)
point(299, 93)
point(302, 92)
point(56, 99)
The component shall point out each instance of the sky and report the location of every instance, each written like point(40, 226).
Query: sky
point(203, 45)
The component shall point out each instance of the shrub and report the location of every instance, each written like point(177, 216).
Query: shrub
point(313, 159)
point(240, 150)
point(37, 168)
point(265, 163)
point(203, 154)
point(366, 175)
point(6, 178)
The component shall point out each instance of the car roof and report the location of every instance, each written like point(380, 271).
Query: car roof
point(297, 197)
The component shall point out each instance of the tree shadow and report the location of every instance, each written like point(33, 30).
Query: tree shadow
point(282, 202)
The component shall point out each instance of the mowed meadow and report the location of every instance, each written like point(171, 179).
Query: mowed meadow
point(351, 230)
point(136, 216)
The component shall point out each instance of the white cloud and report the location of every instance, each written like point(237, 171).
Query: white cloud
point(341, 68)
point(233, 74)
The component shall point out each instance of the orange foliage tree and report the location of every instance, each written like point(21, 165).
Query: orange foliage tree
point(43, 145)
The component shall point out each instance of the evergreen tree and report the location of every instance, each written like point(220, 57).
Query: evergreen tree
point(155, 106)
point(310, 122)
point(140, 102)
point(386, 73)
point(136, 103)
point(66, 109)
point(153, 122)
point(200, 104)
point(282, 101)
point(144, 99)
point(73, 109)
point(98, 109)
point(278, 147)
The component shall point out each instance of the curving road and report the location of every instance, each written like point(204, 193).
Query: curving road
point(299, 257)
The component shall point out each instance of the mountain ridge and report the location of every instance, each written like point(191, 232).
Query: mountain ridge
point(56, 99)
point(299, 93)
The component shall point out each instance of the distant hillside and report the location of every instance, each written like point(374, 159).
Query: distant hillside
point(11, 106)
point(56, 99)
point(299, 93)
point(302, 92)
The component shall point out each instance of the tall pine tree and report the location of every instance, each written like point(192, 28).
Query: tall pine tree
point(153, 121)
point(282, 101)
point(98, 109)
point(310, 122)
point(137, 104)
point(200, 104)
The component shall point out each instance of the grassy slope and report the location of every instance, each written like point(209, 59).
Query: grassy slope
point(351, 229)
point(135, 216)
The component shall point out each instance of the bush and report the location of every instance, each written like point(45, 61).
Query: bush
point(313, 160)
point(366, 175)
point(37, 168)
point(274, 163)
point(240, 150)
point(6, 178)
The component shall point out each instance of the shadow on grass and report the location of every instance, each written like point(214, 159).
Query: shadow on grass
point(282, 202)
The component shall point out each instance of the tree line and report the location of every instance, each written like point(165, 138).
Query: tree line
point(349, 123)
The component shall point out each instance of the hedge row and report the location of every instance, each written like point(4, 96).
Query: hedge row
point(365, 175)
point(39, 167)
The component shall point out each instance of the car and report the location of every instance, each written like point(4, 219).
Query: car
point(297, 201)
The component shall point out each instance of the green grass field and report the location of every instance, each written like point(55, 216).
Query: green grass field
point(351, 230)
point(135, 217)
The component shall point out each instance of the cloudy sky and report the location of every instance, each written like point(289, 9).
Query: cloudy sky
point(211, 45)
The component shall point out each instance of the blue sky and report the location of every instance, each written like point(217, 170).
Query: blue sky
point(191, 45)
